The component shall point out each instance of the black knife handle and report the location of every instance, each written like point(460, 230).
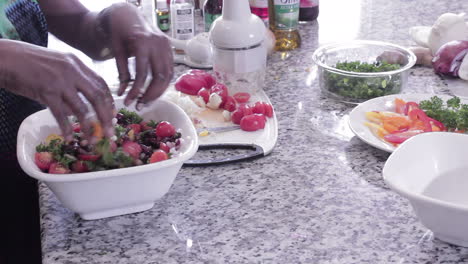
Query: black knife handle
point(256, 152)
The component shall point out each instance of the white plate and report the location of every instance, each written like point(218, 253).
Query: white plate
point(385, 103)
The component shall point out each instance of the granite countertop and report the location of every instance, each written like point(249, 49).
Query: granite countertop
point(318, 197)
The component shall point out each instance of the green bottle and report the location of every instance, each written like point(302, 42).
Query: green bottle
point(211, 11)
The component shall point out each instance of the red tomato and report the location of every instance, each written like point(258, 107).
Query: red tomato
point(246, 109)
point(88, 157)
point(76, 127)
point(205, 94)
point(132, 148)
point(190, 84)
point(43, 160)
point(158, 155)
point(135, 127)
point(58, 168)
point(79, 166)
point(209, 79)
point(241, 97)
point(268, 109)
point(259, 108)
point(222, 91)
point(165, 129)
point(163, 146)
point(230, 104)
point(252, 122)
point(241, 111)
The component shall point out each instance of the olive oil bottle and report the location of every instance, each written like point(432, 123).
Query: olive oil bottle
point(283, 17)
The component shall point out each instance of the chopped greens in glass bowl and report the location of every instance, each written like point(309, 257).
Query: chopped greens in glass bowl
point(356, 71)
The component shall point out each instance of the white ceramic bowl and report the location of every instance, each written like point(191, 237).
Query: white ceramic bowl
point(431, 171)
point(101, 194)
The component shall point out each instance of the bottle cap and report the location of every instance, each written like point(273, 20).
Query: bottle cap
point(161, 4)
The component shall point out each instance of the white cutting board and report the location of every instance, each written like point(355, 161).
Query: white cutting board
point(265, 138)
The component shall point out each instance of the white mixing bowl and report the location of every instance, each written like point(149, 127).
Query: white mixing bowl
point(431, 171)
point(101, 194)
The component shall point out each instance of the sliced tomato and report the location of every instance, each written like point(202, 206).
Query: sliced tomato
point(259, 108)
point(252, 122)
point(165, 129)
point(268, 110)
point(230, 104)
point(222, 91)
point(164, 147)
point(190, 84)
point(132, 148)
point(135, 127)
point(209, 79)
point(241, 97)
point(205, 94)
point(158, 155)
point(43, 160)
point(58, 168)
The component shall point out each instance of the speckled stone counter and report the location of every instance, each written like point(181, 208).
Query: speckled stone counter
point(318, 198)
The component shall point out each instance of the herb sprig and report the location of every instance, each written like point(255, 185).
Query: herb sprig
point(453, 114)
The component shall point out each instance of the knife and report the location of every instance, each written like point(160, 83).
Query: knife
point(217, 129)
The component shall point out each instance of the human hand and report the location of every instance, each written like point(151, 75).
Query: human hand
point(56, 79)
point(131, 36)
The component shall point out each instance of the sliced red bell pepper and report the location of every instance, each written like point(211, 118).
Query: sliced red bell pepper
point(418, 114)
point(410, 106)
point(399, 138)
point(437, 124)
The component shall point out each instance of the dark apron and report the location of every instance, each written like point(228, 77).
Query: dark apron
point(19, 222)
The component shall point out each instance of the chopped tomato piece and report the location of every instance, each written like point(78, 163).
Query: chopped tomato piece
point(158, 155)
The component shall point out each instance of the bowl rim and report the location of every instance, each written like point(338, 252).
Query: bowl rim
point(417, 196)
point(34, 172)
point(411, 58)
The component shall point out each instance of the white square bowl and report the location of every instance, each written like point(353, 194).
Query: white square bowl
point(101, 194)
point(431, 171)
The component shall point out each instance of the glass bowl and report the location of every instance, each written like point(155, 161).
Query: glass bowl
point(356, 87)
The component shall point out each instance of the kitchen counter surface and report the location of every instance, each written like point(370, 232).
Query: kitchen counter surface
point(318, 197)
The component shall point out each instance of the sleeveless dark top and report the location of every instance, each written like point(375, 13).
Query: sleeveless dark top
point(19, 20)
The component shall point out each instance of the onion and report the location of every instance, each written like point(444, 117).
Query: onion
point(449, 57)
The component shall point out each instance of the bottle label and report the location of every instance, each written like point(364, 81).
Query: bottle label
point(286, 14)
point(209, 19)
point(258, 3)
point(183, 23)
point(163, 22)
point(309, 3)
